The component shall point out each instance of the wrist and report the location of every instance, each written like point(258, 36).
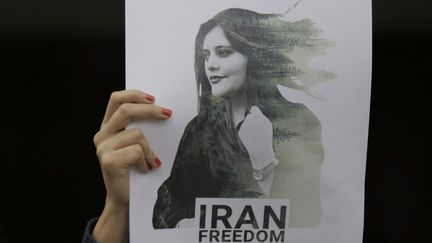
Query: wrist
point(113, 224)
point(116, 208)
point(260, 173)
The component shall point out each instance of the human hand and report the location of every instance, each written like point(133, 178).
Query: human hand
point(256, 133)
point(118, 150)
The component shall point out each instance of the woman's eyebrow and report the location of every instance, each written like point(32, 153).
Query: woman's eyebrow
point(223, 46)
point(218, 47)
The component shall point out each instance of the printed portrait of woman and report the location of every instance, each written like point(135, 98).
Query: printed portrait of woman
point(247, 140)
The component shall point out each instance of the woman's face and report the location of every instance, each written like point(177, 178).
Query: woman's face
point(225, 68)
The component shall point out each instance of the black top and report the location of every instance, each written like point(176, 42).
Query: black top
point(87, 237)
point(202, 170)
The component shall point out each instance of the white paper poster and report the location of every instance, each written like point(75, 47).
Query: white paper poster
point(268, 137)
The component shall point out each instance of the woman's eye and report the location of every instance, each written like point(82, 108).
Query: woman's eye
point(224, 52)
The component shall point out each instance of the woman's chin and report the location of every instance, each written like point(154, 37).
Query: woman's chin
point(220, 94)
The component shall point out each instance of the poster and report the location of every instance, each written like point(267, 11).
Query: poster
point(268, 137)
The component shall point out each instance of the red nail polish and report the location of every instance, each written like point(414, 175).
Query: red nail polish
point(149, 167)
point(166, 112)
point(150, 98)
point(157, 162)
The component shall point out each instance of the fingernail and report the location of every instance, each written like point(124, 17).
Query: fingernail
point(166, 112)
point(150, 98)
point(157, 162)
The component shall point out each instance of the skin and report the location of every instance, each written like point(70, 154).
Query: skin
point(225, 67)
point(118, 150)
point(226, 71)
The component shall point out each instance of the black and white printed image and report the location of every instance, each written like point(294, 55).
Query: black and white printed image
point(248, 140)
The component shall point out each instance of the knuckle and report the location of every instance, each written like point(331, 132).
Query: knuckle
point(96, 139)
point(136, 133)
point(136, 93)
point(139, 153)
point(155, 111)
point(124, 110)
point(100, 150)
point(115, 96)
point(107, 161)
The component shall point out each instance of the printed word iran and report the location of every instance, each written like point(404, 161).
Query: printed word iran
point(240, 220)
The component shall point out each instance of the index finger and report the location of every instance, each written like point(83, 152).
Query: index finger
point(125, 96)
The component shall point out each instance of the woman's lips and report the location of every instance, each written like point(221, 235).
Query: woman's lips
point(216, 78)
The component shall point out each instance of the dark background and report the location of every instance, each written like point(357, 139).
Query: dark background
point(60, 60)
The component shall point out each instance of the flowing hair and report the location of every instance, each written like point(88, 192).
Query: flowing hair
point(270, 44)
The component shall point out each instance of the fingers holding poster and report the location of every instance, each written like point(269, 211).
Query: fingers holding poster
point(257, 149)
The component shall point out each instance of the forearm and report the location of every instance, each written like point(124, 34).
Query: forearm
point(266, 183)
point(113, 225)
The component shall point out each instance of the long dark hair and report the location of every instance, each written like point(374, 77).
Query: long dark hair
point(267, 41)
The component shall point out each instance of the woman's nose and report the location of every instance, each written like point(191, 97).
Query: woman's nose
point(212, 66)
